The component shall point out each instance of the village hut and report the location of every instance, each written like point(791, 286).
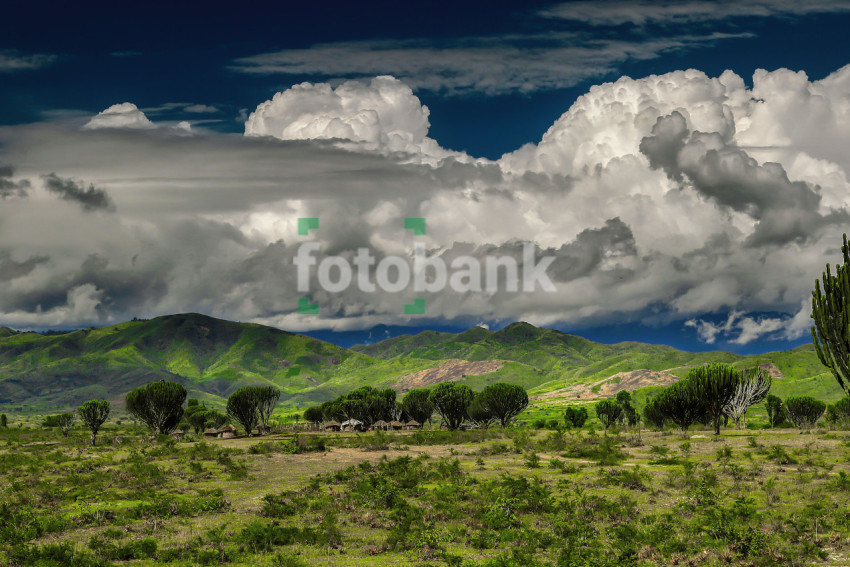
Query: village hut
point(211, 432)
point(226, 432)
point(332, 426)
point(177, 434)
point(352, 425)
point(413, 424)
point(396, 424)
point(381, 424)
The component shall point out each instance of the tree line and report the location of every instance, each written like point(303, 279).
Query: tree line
point(159, 405)
point(455, 404)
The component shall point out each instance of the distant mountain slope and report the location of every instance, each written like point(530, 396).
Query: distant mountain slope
point(213, 357)
point(562, 360)
point(208, 354)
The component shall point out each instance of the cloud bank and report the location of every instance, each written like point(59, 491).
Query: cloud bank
point(677, 198)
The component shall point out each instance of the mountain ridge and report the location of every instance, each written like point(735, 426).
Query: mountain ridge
point(212, 357)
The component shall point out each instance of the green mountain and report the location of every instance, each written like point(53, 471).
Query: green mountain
point(559, 360)
point(210, 356)
point(213, 357)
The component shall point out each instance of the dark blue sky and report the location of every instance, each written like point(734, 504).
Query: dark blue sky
point(180, 52)
point(495, 76)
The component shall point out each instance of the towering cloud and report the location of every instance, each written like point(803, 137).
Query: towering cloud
point(124, 115)
point(670, 198)
point(383, 115)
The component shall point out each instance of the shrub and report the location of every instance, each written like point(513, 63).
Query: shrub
point(804, 411)
point(575, 416)
point(839, 412)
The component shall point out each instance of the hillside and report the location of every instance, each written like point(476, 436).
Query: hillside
point(213, 357)
point(552, 362)
point(210, 356)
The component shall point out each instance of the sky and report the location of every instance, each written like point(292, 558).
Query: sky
point(677, 171)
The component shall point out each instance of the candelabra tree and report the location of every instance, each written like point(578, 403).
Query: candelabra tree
point(752, 389)
point(831, 314)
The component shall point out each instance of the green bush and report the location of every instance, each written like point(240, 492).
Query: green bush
point(804, 411)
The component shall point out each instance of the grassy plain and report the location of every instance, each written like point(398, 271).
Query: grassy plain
point(474, 498)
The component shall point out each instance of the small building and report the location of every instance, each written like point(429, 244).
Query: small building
point(396, 425)
point(381, 424)
point(413, 424)
point(332, 426)
point(177, 434)
point(211, 432)
point(352, 425)
point(226, 432)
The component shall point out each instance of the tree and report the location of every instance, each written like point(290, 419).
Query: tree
point(804, 411)
point(159, 405)
point(839, 412)
point(65, 421)
point(243, 406)
point(4, 421)
point(451, 401)
point(681, 404)
point(715, 385)
point(608, 412)
point(753, 386)
point(418, 405)
point(503, 401)
point(653, 415)
point(575, 416)
point(628, 414)
point(268, 397)
point(93, 413)
point(831, 314)
point(313, 415)
point(775, 410)
point(214, 419)
point(479, 414)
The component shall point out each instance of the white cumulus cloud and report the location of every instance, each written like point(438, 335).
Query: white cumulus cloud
point(124, 115)
point(676, 198)
point(382, 115)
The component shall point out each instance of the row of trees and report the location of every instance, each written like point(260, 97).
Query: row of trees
point(159, 405)
point(454, 403)
point(709, 394)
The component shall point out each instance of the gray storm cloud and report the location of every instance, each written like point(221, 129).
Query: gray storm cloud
point(657, 197)
point(89, 198)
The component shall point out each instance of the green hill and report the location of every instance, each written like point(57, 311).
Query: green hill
point(560, 360)
point(213, 357)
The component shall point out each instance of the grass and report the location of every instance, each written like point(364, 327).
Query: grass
point(469, 498)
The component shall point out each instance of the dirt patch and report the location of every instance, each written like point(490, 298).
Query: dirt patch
point(772, 370)
point(607, 387)
point(450, 370)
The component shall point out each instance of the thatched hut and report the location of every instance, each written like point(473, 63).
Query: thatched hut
point(413, 424)
point(211, 432)
point(396, 424)
point(381, 424)
point(332, 426)
point(226, 432)
point(352, 425)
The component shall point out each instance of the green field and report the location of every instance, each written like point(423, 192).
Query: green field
point(491, 498)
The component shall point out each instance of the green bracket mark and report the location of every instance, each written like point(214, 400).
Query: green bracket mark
point(306, 224)
point(416, 224)
point(415, 308)
point(307, 308)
